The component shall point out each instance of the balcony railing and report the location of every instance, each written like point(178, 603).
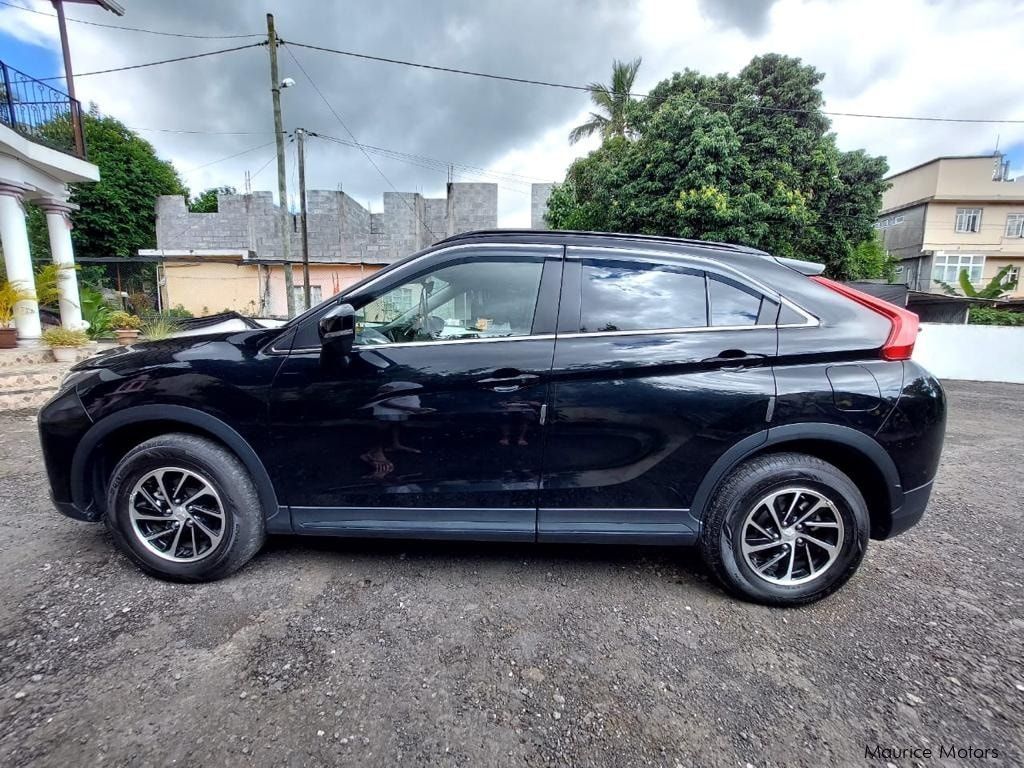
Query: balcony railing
point(40, 112)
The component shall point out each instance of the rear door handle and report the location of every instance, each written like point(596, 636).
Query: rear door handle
point(735, 359)
point(509, 383)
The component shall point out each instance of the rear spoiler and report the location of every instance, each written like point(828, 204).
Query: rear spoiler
point(810, 268)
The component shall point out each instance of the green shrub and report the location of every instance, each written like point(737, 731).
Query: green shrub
point(160, 326)
point(65, 337)
point(122, 321)
point(993, 316)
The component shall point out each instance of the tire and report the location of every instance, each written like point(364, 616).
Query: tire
point(763, 490)
point(221, 545)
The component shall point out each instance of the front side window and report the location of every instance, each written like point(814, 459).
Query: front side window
point(968, 220)
point(477, 299)
point(640, 297)
point(946, 267)
point(1015, 225)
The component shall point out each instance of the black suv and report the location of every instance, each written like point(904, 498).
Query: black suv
point(523, 386)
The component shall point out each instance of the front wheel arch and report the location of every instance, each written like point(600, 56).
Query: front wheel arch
point(110, 438)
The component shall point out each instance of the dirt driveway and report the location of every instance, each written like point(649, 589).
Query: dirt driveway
point(395, 653)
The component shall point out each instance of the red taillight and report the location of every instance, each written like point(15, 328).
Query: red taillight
point(900, 343)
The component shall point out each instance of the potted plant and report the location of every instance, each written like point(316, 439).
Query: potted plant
point(126, 327)
point(10, 295)
point(65, 343)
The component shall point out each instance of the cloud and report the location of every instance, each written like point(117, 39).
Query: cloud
point(879, 57)
point(750, 16)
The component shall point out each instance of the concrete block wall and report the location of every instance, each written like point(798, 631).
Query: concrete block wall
point(339, 227)
point(539, 194)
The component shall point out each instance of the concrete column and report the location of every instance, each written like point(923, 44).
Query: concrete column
point(58, 223)
point(18, 260)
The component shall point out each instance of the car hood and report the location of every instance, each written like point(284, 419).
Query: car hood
point(224, 346)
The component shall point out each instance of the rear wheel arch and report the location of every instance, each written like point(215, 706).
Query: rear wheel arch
point(854, 453)
point(109, 439)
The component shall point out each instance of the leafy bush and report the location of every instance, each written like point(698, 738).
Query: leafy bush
point(178, 313)
point(122, 321)
point(65, 337)
point(95, 312)
point(11, 294)
point(993, 316)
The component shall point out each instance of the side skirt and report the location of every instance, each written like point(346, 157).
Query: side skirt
point(417, 523)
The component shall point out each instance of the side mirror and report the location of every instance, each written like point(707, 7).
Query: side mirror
point(338, 329)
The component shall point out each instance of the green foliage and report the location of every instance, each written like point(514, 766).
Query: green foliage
point(177, 312)
point(160, 326)
point(993, 316)
point(123, 321)
point(95, 312)
point(705, 165)
point(117, 215)
point(10, 295)
point(996, 288)
point(206, 202)
point(870, 261)
point(612, 102)
point(65, 337)
point(47, 280)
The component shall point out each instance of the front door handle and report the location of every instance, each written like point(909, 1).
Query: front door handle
point(508, 382)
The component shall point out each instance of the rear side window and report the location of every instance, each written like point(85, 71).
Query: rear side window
point(641, 297)
point(732, 304)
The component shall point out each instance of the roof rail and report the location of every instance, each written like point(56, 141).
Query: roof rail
point(606, 235)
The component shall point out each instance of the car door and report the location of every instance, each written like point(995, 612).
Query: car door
point(431, 426)
point(661, 364)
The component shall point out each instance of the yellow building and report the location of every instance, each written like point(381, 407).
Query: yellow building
point(952, 214)
point(211, 281)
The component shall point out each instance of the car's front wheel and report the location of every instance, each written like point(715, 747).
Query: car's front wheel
point(785, 529)
point(183, 507)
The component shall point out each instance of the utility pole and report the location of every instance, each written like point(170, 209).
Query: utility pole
point(282, 186)
point(69, 77)
point(301, 138)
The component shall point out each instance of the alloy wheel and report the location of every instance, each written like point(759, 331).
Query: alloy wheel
point(792, 536)
point(176, 514)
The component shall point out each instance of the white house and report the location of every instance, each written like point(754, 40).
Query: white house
point(42, 150)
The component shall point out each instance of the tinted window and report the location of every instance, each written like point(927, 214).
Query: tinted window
point(468, 300)
point(732, 305)
point(634, 297)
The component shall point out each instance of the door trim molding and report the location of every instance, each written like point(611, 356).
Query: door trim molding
point(472, 523)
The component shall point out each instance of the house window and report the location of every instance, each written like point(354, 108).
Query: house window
point(316, 295)
point(1015, 225)
point(968, 220)
point(946, 267)
point(1012, 276)
point(898, 220)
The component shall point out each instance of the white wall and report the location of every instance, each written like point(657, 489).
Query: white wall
point(974, 352)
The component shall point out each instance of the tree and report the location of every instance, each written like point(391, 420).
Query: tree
point(117, 214)
point(206, 202)
point(612, 101)
point(871, 261)
point(996, 288)
point(747, 159)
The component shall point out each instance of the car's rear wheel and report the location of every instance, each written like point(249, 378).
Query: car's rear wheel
point(785, 529)
point(182, 507)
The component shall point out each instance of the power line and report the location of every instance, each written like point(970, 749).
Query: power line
point(202, 133)
point(588, 89)
point(130, 29)
point(157, 63)
point(229, 157)
point(360, 146)
point(433, 162)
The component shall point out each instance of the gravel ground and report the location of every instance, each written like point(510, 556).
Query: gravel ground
point(367, 653)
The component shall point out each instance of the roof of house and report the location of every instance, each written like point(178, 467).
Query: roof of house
point(937, 159)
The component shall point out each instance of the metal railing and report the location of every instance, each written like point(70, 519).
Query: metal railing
point(40, 112)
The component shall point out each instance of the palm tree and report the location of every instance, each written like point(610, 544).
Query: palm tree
point(612, 101)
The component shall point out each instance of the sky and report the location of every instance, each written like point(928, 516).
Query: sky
point(948, 58)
